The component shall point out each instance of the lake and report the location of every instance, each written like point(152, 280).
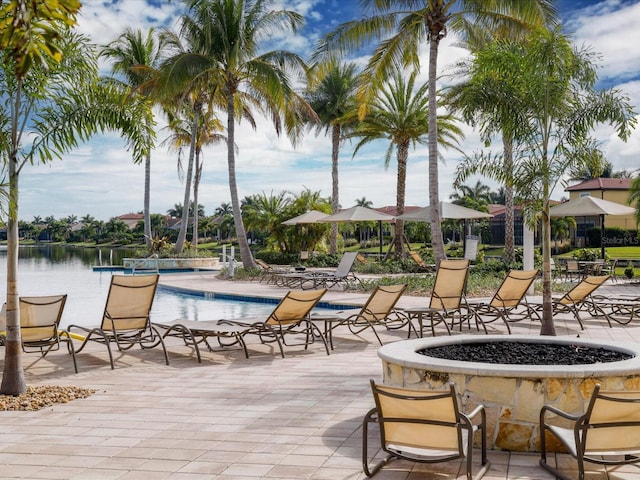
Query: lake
point(56, 269)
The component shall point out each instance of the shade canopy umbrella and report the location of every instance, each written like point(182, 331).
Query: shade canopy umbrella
point(360, 214)
point(447, 210)
point(312, 216)
point(588, 206)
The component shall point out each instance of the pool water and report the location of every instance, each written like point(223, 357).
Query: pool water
point(87, 293)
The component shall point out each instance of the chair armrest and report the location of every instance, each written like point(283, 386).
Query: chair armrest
point(478, 410)
point(557, 411)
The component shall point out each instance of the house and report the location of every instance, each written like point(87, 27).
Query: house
point(131, 219)
point(611, 189)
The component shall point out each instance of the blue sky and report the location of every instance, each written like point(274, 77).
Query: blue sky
point(99, 178)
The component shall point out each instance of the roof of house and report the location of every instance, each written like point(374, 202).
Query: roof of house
point(602, 184)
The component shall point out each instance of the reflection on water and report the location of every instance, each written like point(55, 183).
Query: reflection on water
point(54, 269)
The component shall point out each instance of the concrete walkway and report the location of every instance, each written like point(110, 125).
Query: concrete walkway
point(230, 417)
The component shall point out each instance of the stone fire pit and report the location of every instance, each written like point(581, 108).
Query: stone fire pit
point(511, 394)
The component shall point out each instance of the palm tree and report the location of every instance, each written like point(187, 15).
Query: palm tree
point(399, 113)
point(306, 237)
point(404, 25)
point(561, 107)
point(224, 38)
point(363, 202)
point(332, 96)
point(634, 197)
point(43, 64)
point(266, 213)
point(136, 58)
point(560, 228)
point(486, 100)
point(205, 135)
point(225, 213)
point(476, 197)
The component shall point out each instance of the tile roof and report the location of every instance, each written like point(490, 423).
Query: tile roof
point(602, 184)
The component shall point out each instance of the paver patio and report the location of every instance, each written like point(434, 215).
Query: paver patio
point(231, 417)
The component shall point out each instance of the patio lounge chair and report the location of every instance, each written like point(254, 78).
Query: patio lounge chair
point(39, 320)
point(197, 332)
point(308, 280)
point(622, 309)
point(377, 311)
point(289, 318)
point(608, 433)
point(507, 303)
point(577, 299)
point(423, 426)
point(268, 273)
point(125, 320)
point(447, 298)
point(420, 261)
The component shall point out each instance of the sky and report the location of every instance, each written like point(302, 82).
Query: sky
point(100, 179)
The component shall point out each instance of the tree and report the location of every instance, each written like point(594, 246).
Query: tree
point(485, 100)
point(476, 197)
point(266, 213)
point(49, 79)
point(137, 60)
point(634, 197)
point(399, 113)
point(306, 237)
point(331, 94)
point(558, 99)
point(225, 36)
point(403, 25)
point(560, 228)
point(205, 135)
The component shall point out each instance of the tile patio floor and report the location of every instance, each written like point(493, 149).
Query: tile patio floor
point(230, 417)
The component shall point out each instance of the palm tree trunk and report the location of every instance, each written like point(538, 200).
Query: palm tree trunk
point(403, 154)
point(13, 381)
point(434, 197)
point(335, 202)
point(147, 200)
point(184, 222)
point(196, 184)
point(509, 222)
point(245, 252)
point(547, 325)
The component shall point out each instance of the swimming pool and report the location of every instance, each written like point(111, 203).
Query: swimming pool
point(87, 293)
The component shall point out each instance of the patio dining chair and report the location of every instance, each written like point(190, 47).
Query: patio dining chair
point(289, 319)
point(607, 433)
point(423, 426)
point(508, 303)
point(126, 318)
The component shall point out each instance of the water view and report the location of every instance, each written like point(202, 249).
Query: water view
point(55, 269)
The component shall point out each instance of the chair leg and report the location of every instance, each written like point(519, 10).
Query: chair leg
point(370, 470)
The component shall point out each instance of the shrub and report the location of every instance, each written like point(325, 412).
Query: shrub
point(628, 272)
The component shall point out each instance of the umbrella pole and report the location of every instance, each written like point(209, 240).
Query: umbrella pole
point(380, 236)
point(602, 248)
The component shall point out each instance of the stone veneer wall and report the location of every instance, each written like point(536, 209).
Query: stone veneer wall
point(512, 401)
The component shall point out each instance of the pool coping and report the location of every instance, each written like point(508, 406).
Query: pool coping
point(274, 300)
